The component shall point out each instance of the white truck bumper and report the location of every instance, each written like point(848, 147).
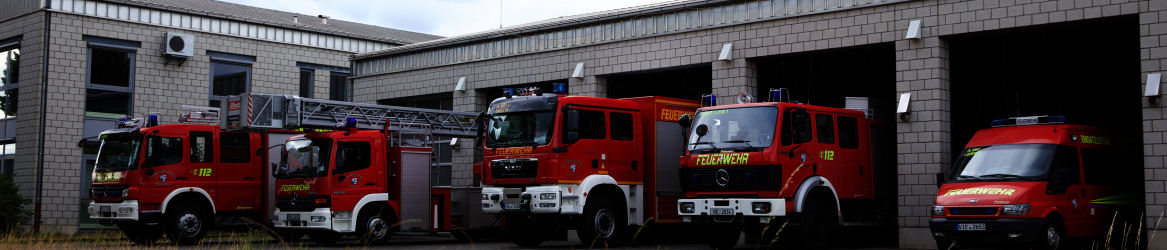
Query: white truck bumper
point(317, 219)
point(127, 210)
point(554, 199)
point(727, 209)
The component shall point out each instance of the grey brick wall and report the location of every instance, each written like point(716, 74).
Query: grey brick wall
point(157, 88)
point(31, 28)
point(1153, 48)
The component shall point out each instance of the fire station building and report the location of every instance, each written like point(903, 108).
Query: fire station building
point(962, 64)
point(71, 66)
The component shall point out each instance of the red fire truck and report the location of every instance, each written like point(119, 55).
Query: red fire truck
point(180, 179)
point(783, 164)
point(1039, 180)
point(555, 162)
point(369, 178)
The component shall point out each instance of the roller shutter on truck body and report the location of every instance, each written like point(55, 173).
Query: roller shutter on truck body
point(663, 147)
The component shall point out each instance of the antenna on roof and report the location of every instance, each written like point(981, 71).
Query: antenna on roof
point(500, 14)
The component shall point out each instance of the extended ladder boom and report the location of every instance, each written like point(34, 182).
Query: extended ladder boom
point(255, 111)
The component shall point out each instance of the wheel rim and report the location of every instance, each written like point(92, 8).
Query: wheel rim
point(605, 223)
point(377, 228)
point(189, 224)
point(1052, 237)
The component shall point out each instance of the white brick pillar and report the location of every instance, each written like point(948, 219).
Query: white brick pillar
point(923, 140)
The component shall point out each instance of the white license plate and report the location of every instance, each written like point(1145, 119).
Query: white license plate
point(970, 227)
point(510, 206)
point(721, 211)
point(293, 217)
point(105, 209)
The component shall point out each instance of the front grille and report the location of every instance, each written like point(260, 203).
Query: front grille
point(107, 191)
point(972, 210)
point(303, 203)
point(514, 168)
point(738, 178)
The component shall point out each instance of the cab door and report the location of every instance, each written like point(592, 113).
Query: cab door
point(163, 165)
point(200, 169)
point(624, 151)
point(351, 176)
point(584, 155)
point(1072, 200)
point(824, 163)
point(235, 173)
point(797, 151)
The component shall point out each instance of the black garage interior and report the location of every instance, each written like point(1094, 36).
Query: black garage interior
point(685, 82)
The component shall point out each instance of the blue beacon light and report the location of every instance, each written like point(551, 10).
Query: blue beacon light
point(350, 122)
point(780, 95)
point(708, 100)
point(560, 88)
point(509, 92)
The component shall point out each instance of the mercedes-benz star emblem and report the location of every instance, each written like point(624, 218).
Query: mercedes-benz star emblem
point(972, 201)
point(722, 177)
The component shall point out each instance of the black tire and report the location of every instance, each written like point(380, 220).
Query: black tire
point(187, 223)
point(723, 237)
point(602, 223)
point(140, 233)
point(375, 226)
point(289, 236)
point(819, 219)
point(523, 231)
point(324, 237)
point(946, 245)
point(1054, 235)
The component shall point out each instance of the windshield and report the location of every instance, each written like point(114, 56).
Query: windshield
point(305, 158)
point(739, 129)
point(1024, 161)
point(118, 152)
point(520, 129)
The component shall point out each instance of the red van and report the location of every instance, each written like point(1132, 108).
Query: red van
point(1037, 180)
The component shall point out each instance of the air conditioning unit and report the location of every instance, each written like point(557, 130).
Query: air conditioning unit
point(179, 45)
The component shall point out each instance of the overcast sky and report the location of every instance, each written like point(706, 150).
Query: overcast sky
point(443, 17)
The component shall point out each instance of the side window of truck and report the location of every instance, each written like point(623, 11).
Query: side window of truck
point(1111, 167)
point(202, 149)
point(826, 128)
point(848, 132)
point(235, 147)
point(1067, 158)
point(352, 156)
point(163, 151)
point(591, 125)
point(621, 126)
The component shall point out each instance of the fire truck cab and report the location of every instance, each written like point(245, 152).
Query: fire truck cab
point(1038, 180)
point(555, 162)
point(758, 167)
point(180, 180)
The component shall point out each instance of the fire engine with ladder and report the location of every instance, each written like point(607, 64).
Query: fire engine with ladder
point(360, 169)
point(758, 167)
point(555, 162)
point(180, 180)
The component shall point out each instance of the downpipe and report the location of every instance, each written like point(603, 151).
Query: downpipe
point(40, 163)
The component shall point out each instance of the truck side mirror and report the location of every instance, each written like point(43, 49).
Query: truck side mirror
point(154, 151)
point(801, 125)
point(685, 121)
point(939, 179)
point(572, 120)
point(702, 130)
point(572, 137)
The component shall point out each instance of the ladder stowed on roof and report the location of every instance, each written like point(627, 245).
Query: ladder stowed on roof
point(256, 111)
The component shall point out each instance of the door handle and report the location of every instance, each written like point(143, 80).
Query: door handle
point(595, 163)
point(370, 183)
point(860, 169)
point(180, 178)
point(248, 178)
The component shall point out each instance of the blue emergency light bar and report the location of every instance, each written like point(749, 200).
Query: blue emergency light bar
point(152, 120)
point(509, 92)
point(560, 88)
point(1029, 120)
point(708, 100)
point(779, 95)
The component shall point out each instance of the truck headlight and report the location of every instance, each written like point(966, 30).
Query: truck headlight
point(318, 219)
point(485, 197)
point(547, 196)
point(545, 205)
point(1015, 209)
point(688, 207)
point(125, 210)
point(761, 207)
point(938, 210)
